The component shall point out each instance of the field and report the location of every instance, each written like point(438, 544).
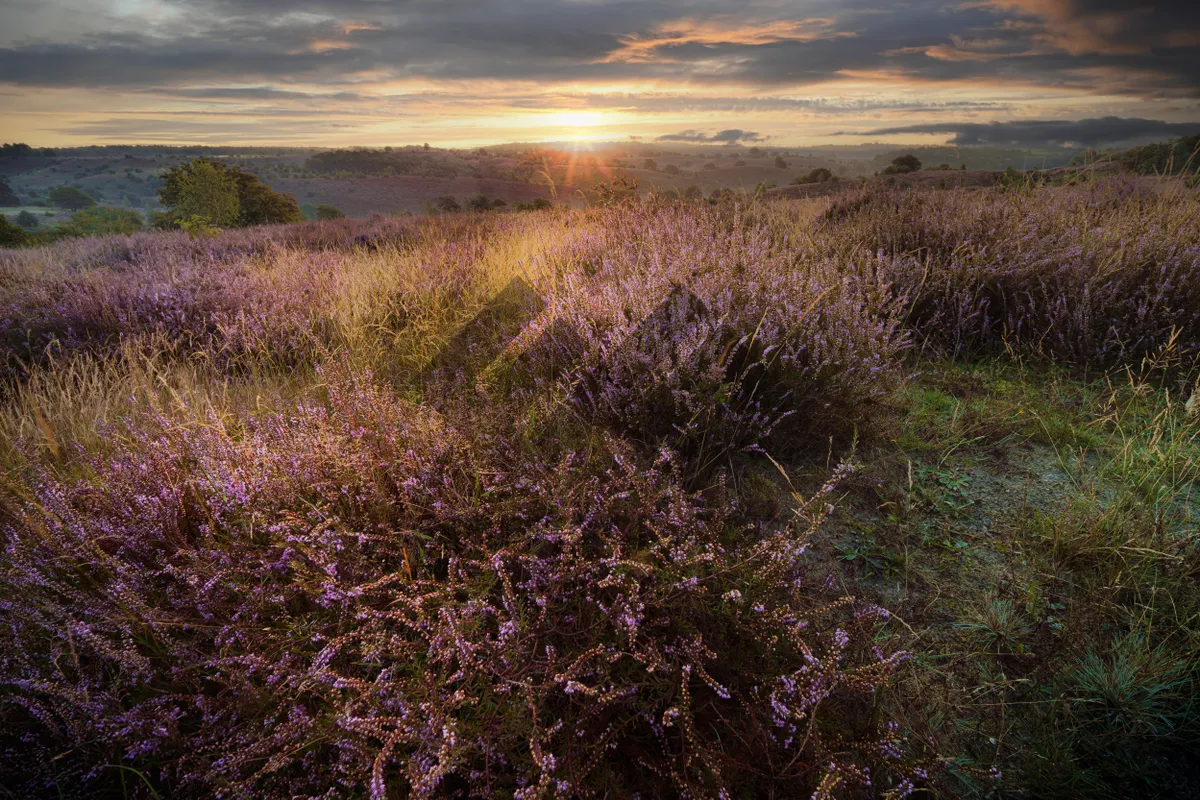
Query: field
point(885, 493)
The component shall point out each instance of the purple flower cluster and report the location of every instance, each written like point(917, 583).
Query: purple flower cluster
point(1101, 274)
point(355, 597)
point(262, 293)
point(695, 325)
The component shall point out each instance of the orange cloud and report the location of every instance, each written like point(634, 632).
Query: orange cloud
point(642, 48)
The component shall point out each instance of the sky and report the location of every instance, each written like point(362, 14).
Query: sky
point(475, 72)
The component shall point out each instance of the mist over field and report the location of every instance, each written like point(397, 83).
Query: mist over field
point(646, 400)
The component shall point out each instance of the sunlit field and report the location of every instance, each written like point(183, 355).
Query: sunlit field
point(883, 493)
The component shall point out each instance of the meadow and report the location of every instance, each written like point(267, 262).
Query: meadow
point(874, 495)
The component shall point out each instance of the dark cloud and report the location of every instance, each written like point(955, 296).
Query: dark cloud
point(731, 136)
point(1104, 131)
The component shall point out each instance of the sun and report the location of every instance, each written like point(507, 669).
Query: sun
point(577, 119)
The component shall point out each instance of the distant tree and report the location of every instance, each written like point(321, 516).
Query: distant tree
point(739, 163)
point(780, 163)
point(70, 198)
point(693, 192)
point(499, 203)
point(903, 164)
point(650, 164)
point(479, 202)
point(101, 220)
point(27, 220)
point(7, 196)
point(11, 235)
point(709, 166)
point(671, 169)
point(325, 211)
point(447, 204)
point(199, 192)
point(756, 153)
point(537, 204)
point(818, 175)
point(201, 188)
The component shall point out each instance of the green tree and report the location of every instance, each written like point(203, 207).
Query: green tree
point(70, 198)
point(11, 235)
point(200, 192)
point(27, 220)
point(447, 204)
point(223, 196)
point(325, 211)
point(903, 164)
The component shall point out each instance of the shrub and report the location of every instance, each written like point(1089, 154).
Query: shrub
point(8, 197)
point(671, 169)
point(1099, 274)
point(650, 164)
point(27, 220)
point(816, 175)
point(780, 162)
point(695, 329)
point(11, 235)
point(101, 220)
point(355, 597)
point(327, 212)
point(447, 204)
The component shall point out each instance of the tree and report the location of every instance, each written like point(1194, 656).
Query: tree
point(780, 163)
point(650, 164)
point(817, 175)
point(200, 192)
point(325, 211)
point(671, 169)
point(70, 198)
point(103, 220)
point(7, 196)
point(11, 235)
point(203, 188)
point(479, 202)
point(27, 220)
point(447, 204)
point(903, 164)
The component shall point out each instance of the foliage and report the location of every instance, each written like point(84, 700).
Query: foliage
point(816, 175)
point(382, 162)
point(27, 220)
point(7, 196)
point(325, 211)
point(650, 164)
point(1165, 158)
point(102, 220)
point(11, 235)
point(903, 164)
point(447, 204)
point(780, 162)
point(70, 198)
point(356, 594)
point(222, 195)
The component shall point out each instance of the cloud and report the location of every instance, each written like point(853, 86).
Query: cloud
point(731, 136)
point(1103, 131)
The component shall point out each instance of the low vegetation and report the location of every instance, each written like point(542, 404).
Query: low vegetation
point(885, 493)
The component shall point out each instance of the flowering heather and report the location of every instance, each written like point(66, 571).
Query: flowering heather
point(353, 597)
point(1102, 273)
point(447, 507)
point(267, 293)
point(697, 326)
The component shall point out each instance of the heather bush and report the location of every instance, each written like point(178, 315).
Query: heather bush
point(695, 326)
point(356, 598)
point(1100, 274)
point(267, 294)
